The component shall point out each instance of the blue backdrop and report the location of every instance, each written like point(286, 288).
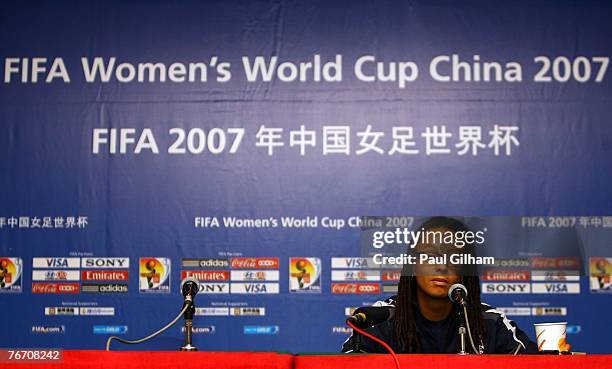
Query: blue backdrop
point(66, 194)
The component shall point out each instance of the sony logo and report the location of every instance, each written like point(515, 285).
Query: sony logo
point(105, 262)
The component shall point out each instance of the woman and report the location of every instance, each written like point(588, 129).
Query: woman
point(426, 321)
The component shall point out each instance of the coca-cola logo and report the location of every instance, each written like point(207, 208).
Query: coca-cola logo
point(55, 288)
point(543, 262)
point(568, 263)
point(257, 263)
point(357, 288)
point(344, 288)
point(44, 288)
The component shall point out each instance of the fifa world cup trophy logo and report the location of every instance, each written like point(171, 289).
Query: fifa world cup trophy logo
point(3, 272)
point(151, 272)
point(300, 265)
point(601, 273)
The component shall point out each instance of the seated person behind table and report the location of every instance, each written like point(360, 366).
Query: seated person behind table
point(425, 320)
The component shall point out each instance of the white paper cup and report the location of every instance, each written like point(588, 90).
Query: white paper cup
point(552, 336)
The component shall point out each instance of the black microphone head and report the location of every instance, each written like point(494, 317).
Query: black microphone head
point(368, 316)
point(358, 318)
point(457, 293)
point(190, 287)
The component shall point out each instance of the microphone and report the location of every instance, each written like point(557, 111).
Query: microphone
point(365, 317)
point(457, 293)
point(189, 288)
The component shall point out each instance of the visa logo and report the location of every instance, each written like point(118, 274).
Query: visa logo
point(57, 263)
point(357, 263)
point(556, 288)
point(49, 263)
point(572, 288)
point(352, 263)
point(255, 288)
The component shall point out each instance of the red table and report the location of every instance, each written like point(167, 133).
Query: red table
point(266, 360)
point(164, 359)
point(454, 362)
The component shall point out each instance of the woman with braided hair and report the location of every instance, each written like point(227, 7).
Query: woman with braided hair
point(426, 321)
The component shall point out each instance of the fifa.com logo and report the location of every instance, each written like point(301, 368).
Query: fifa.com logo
point(402, 236)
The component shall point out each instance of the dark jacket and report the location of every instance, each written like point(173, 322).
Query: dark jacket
point(502, 336)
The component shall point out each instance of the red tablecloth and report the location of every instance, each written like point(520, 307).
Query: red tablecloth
point(265, 360)
point(164, 359)
point(454, 362)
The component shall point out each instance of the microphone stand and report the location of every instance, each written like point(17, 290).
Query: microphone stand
point(457, 293)
point(189, 312)
point(356, 342)
point(462, 331)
